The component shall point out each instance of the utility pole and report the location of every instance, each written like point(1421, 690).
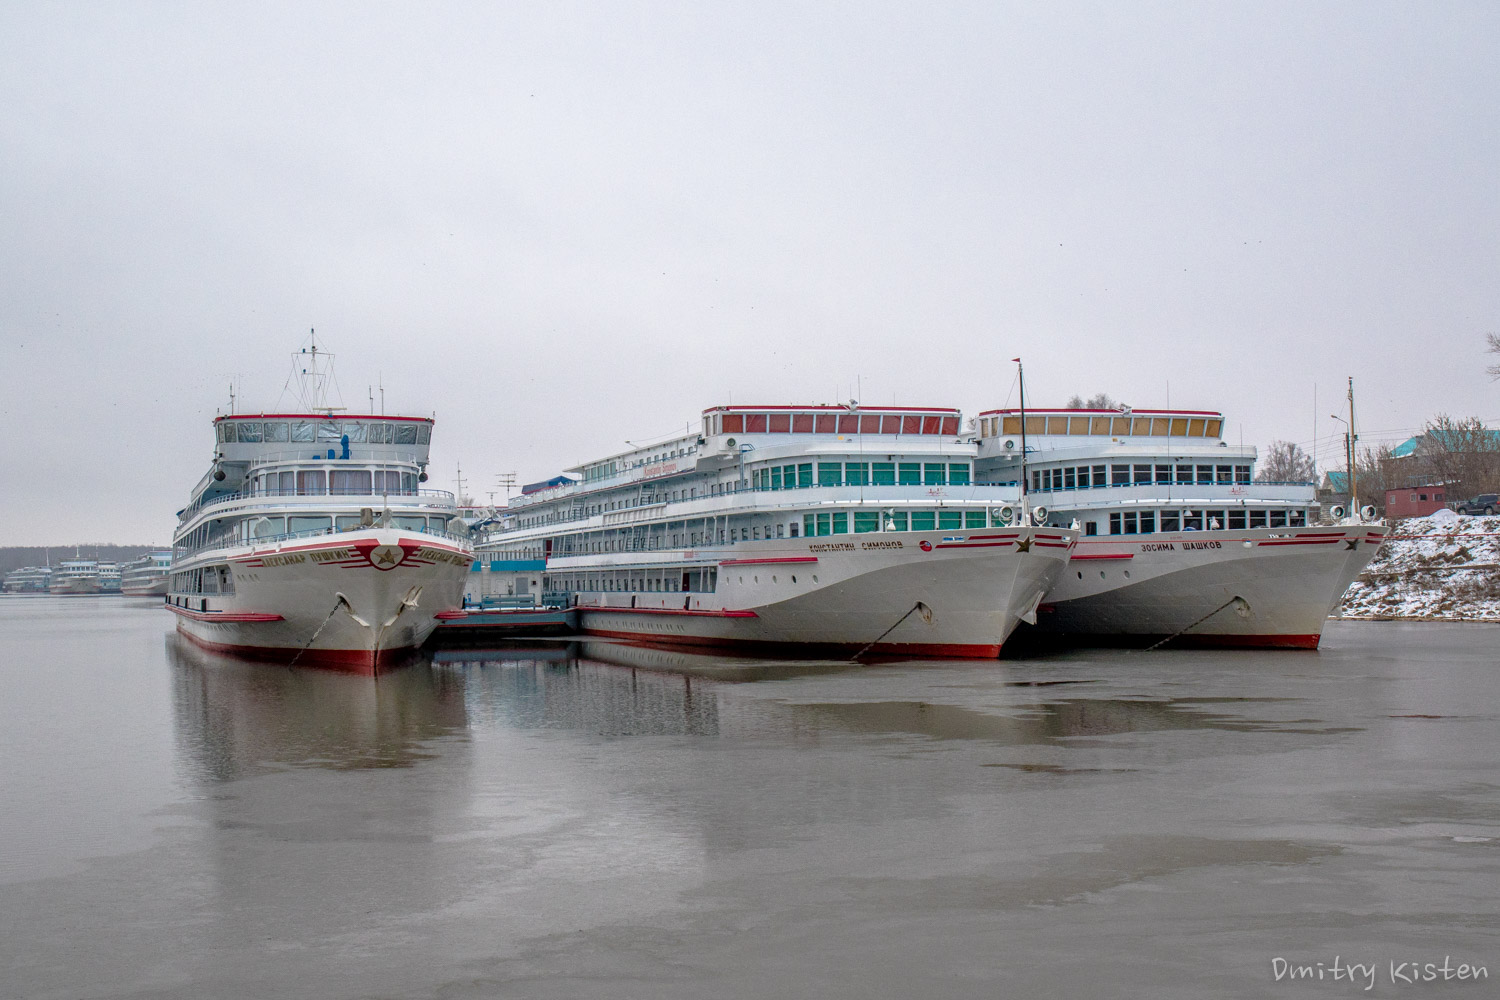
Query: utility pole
point(1353, 442)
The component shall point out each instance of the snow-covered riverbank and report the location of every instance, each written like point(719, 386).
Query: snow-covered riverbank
point(1444, 567)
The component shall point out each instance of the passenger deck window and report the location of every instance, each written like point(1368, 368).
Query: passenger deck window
point(1237, 519)
point(958, 474)
point(866, 520)
point(909, 473)
point(950, 520)
point(1171, 521)
point(830, 474)
point(923, 520)
point(883, 474)
point(933, 474)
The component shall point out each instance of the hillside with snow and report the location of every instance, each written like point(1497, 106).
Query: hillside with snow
point(1443, 567)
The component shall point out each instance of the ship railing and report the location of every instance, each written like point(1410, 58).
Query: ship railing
point(446, 498)
point(905, 496)
point(1259, 490)
point(234, 541)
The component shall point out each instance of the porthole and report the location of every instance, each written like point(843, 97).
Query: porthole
point(794, 579)
point(1127, 574)
point(1101, 574)
point(756, 579)
point(1080, 574)
point(815, 578)
point(773, 579)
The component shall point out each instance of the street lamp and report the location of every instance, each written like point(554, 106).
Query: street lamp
point(1349, 462)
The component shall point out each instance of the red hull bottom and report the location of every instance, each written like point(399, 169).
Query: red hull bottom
point(945, 650)
point(351, 661)
point(1025, 640)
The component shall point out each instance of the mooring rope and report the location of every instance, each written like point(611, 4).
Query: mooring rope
point(915, 607)
point(1200, 621)
point(314, 638)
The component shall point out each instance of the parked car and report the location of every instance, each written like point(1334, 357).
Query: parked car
point(1484, 503)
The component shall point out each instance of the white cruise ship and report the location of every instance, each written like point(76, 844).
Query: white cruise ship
point(75, 576)
point(1178, 540)
point(28, 580)
point(146, 576)
point(310, 541)
point(813, 527)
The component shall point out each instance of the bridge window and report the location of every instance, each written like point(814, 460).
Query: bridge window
point(1195, 427)
point(406, 433)
point(890, 424)
point(1211, 429)
point(350, 482)
point(802, 423)
point(779, 423)
point(827, 423)
point(755, 423)
point(275, 430)
point(249, 431)
point(1011, 425)
point(734, 423)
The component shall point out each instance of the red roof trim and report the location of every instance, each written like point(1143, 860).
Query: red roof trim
point(830, 409)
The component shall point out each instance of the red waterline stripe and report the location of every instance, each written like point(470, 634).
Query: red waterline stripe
point(669, 611)
point(764, 562)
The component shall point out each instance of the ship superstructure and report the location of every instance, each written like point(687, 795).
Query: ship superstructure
point(146, 576)
point(846, 527)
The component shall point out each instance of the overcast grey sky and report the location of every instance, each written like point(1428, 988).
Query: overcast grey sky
point(560, 226)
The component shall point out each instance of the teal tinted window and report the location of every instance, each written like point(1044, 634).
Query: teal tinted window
point(808, 525)
point(857, 473)
point(974, 519)
point(883, 474)
point(824, 524)
point(910, 474)
point(898, 520)
point(830, 474)
point(923, 520)
point(804, 474)
point(933, 474)
point(866, 521)
point(958, 474)
point(776, 478)
point(840, 523)
point(950, 519)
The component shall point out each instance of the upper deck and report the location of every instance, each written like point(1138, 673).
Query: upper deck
point(254, 437)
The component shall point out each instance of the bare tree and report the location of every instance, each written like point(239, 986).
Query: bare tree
point(1098, 401)
point(1377, 472)
point(1494, 348)
point(1285, 462)
point(1464, 454)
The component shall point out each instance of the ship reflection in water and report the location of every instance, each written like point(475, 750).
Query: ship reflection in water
point(236, 717)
